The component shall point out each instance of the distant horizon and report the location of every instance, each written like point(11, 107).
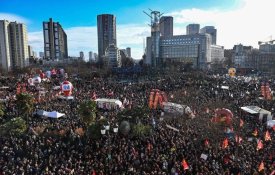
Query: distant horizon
point(237, 21)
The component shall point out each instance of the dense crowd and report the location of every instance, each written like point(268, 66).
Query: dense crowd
point(160, 153)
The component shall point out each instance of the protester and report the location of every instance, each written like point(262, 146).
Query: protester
point(165, 151)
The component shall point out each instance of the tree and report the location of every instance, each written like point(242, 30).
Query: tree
point(15, 126)
point(93, 131)
point(1, 110)
point(141, 130)
point(134, 114)
point(87, 111)
point(25, 104)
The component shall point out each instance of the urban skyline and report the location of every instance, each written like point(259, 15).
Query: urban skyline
point(82, 33)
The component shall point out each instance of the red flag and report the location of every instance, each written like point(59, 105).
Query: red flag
point(93, 172)
point(267, 136)
point(149, 147)
point(241, 123)
point(238, 139)
point(18, 88)
point(255, 132)
point(261, 167)
point(225, 143)
point(206, 142)
point(207, 110)
point(259, 145)
point(94, 96)
point(184, 165)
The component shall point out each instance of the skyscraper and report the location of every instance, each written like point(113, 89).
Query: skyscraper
point(106, 32)
point(41, 54)
point(128, 51)
point(192, 29)
point(55, 41)
point(91, 56)
point(211, 31)
point(30, 51)
point(13, 45)
point(5, 61)
point(166, 26)
point(81, 55)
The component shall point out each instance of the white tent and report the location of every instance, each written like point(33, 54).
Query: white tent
point(255, 110)
point(66, 98)
point(176, 108)
point(105, 103)
point(53, 114)
point(4, 87)
point(260, 112)
point(270, 123)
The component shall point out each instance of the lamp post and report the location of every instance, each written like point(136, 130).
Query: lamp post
point(103, 131)
point(115, 129)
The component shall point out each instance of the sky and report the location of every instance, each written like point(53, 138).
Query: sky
point(237, 21)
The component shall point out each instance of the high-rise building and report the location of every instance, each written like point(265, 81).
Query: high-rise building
point(30, 51)
point(81, 55)
point(106, 33)
point(128, 52)
point(192, 29)
point(166, 26)
point(96, 57)
point(112, 56)
point(14, 45)
point(55, 41)
point(19, 45)
point(91, 56)
point(34, 54)
point(5, 57)
point(211, 31)
point(41, 54)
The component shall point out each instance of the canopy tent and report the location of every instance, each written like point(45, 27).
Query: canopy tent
point(176, 108)
point(264, 115)
point(270, 123)
point(255, 110)
point(53, 114)
point(4, 87)
point(56, 88)
point(105, 103)
point(65, 98)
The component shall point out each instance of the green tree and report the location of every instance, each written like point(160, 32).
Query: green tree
point(1, 110)
point(141, 130)
point(25, 104)
point(15, 126)
point(135, 114)
point(87, 111)
point(93, 131)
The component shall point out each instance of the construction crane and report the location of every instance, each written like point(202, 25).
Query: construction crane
point(269, 41)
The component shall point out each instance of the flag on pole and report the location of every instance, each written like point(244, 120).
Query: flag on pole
point(206, 142)
point(184, 164)
point(241, 123)
point(93, 172)
point(225, 143)
point(255, 132)
point(259, 145)
point(267, 136)
point(238, 139)
point(261, 166)
point(149, 147)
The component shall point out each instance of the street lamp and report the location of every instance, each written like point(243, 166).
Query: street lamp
point(107, 127)
point(115, 129)
point(103, 130)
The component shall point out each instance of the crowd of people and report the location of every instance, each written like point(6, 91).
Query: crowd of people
point(196, 147)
